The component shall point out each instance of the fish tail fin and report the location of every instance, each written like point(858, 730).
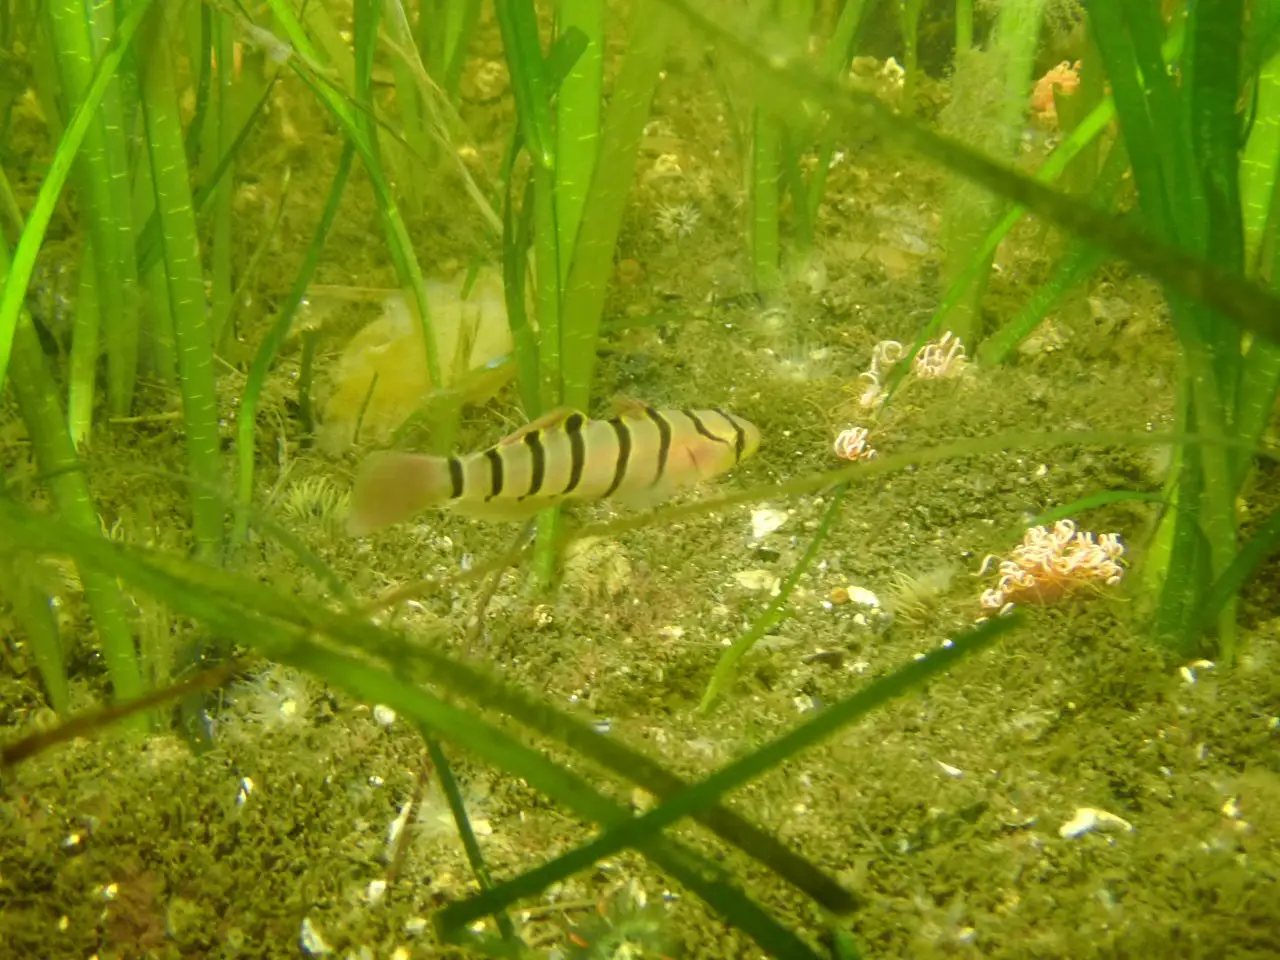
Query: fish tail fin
point(393, 486)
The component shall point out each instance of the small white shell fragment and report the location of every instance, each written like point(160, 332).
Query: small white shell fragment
point(671, 633)
point(1188, 672)
point(110, 891)
point(765, 521)
point(242, 794)
point(954, 772)
point(482, 828)
point(1087, 819)
point(863, 597)
point(71, 841)
point(400, 953)
point(311, 941)
point(383, 715)
point(1231, 808)
point(376, 781)
point(415, 925)
point(762, 580)
point(375, 891)
point(398, 824)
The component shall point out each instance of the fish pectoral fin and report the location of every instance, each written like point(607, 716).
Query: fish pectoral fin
point(546, 421)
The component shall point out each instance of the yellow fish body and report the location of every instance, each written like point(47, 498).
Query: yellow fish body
point(642, 456)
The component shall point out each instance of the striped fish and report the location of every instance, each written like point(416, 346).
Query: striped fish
point(642, 456)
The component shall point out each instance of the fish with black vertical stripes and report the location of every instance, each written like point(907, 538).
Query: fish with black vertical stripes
point(641, 456)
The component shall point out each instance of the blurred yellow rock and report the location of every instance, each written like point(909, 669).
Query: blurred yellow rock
point(472, 340)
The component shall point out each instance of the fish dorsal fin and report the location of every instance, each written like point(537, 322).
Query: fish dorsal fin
point(629, 408)
point(544, 422)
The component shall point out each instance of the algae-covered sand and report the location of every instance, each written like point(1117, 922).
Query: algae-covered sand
point(943, 812)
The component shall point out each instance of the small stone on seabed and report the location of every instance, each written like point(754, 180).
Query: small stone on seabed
point(415, 925)
point(862, 597)
point(761, 580)
point(1088, 819)
point(383, 715)
point(312, 942)
point(765, 521)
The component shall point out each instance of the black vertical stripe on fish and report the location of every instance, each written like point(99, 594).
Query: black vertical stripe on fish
point(739, 435)
point(702, 427)
point(623, 434)
point(455, 478)
point(538, 471)
point(495, 472)
point(664, 440)
point(577, 450)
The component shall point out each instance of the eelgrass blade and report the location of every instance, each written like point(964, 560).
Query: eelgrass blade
point(185, 282)
point(766, 172)
point(727, 667)
point(458, 809)
point(624, 121)
point(578, 105)
point(1226, 588)
point(1246, 303)
point(517, 230)
point(148, 243)
point(484, 690)
point(355, 126)
point(82, 372)
point(103, 175)
point(1076, 264)
point(34, 612)
point(290, 641)
point(1091, 502)
point(86, 724)
point(36, 391)
point(246, 445)
point(640, 831)
point(1260, 205)
point(1186, 565)
point(28, 248)
point(518, 23)
point(227, 95)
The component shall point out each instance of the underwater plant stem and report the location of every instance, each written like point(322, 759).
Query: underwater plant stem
point(399, 242)
point(266, 354)
point(185, 283)
point(82, 373)
point(639, 831)
point(766, 168)
point(964, 25)
point(909, 24)
point(458, 809)
point(223, 125)
point(37, 394)
point(28, 248)
point(359, 126)
point(578, 105)
point(776, 611)
point(79, 32)
point(624, 121)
